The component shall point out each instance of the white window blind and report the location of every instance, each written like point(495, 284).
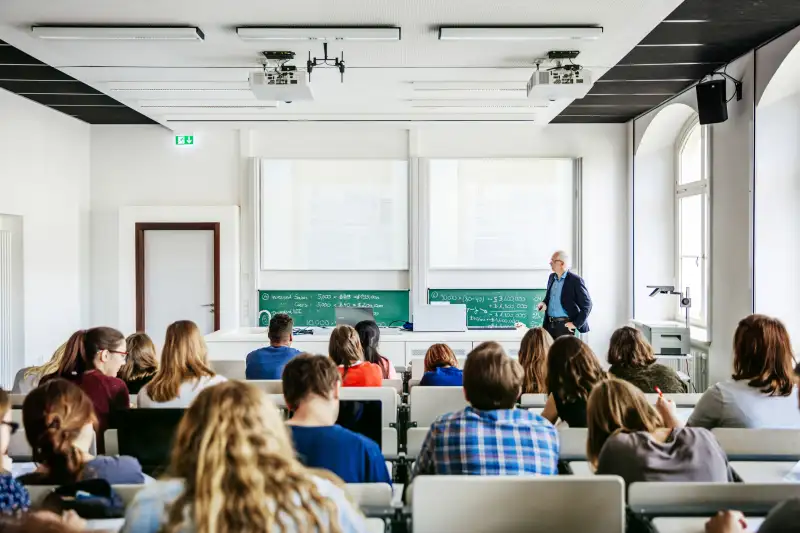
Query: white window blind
point(499, 214)
point(334, 215)
point(6, 320)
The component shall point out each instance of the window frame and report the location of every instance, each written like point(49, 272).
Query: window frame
point(684, 190)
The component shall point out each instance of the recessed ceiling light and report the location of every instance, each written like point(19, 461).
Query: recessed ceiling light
point(115, 33)
point(448, 33)
point(284, 33)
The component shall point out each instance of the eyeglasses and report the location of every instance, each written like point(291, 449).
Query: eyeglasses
point(552, 261)
point(13, 426)
point(123, 354)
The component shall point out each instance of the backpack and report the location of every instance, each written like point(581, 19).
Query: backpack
point(91, 499)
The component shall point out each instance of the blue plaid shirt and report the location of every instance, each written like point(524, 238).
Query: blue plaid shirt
point(510, 442)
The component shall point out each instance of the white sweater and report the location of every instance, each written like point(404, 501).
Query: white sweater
point(186, 394)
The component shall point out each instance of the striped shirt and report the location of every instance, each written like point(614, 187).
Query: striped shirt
point(510, 442)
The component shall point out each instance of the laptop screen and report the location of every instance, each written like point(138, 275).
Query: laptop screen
point(350, 316)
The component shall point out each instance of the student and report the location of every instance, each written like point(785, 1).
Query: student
point(311, 389)
point(533, 358)
point(572, 371)
point(759, 394)
point(92, 361)
point(491, 436)
point(629, 438)
point(14, 497)
point(59, 425)
point(441, 368)
point(28, 379)
point(345, 350)
point(268, 362)
point(142, 363)
point(370, 336)
point(234, 469)
point(631, 358)
point(184, 370)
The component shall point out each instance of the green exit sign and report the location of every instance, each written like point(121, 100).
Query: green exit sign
point(184, 139)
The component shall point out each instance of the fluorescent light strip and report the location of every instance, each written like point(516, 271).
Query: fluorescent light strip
point(282, 33)
point(117, 33)
point(447, 33)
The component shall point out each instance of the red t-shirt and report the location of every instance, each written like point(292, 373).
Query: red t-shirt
point(362, 375)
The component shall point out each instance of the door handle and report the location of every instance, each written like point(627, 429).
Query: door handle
point(207, 305)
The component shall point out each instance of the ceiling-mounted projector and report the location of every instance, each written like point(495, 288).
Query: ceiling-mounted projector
point(280, 82)
point(565, 82)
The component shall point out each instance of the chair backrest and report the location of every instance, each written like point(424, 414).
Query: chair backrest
point(230, 369)
point(660, 498)
point(396, 384)
point(759, 444)
point(429, 403)
point(533, 400)
point(478, 504)
point(17, 400)
point(680, 399)
point(572, 443)
point(17, 386)
point(370, 494)
point(39, 492)
point(269, 386)
point(147, 435)
point(386, 395)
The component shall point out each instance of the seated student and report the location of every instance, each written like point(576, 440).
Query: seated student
point(631, 358)
point(345, 350)
point(441, 368)
point(92, 361)
point(572, 371)
point(14, 497)
point(184, 370)
point(311, 388)
point(234, 469)
point(268, 362)
point(629, 438)
point(28, 379)
point(142, 363)
point(533, 358)
point(370, 336)
point(491, 436)
point(759, 394)
point(59, 422)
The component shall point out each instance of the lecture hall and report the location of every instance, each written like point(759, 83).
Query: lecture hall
point(467, 266)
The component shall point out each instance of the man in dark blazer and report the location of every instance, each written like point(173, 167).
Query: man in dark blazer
point(566, 304)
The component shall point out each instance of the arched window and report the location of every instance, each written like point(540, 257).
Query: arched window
point(692, 219)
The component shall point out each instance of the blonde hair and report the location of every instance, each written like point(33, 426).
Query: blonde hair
point(141, 361)
point(241, 475)
point(616, 406)
point(50, 366)
point(184, 358)
point(533, 358)
point(345, 347)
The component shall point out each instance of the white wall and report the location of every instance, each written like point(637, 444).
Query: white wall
point(142, 166)
point(44, 177)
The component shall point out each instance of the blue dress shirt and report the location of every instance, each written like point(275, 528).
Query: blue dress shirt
point(554, 308)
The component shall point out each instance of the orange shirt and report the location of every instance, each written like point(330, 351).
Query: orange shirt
point(362, 375)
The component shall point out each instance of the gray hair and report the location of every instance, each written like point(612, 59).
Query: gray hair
point(564, 256)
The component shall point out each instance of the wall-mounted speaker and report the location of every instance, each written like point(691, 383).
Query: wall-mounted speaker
point(711, 103)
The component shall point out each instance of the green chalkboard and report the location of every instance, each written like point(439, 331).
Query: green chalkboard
point(316, 308)
point(490, 308)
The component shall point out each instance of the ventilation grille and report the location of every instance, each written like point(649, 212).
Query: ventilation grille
point(6, 321)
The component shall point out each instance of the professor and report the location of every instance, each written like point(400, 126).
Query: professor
point(566, 304)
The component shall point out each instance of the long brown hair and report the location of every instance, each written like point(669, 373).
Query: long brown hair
point(184, 358)
point(616, 406)
point(345, 347)
point(533, 358)
point(762, 354)
point(629, 348)
point(83, 346)
point(241, 475)
point(572, 369)
point(54, 414)
point(141, 361)
point(439, 355)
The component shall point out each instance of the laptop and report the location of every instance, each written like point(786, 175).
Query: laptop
point(350, 316)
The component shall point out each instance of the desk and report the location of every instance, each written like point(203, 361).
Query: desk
point(694, 525)
point(763, 471)
point(398, 346)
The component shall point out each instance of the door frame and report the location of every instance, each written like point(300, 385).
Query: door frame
point(141, 228)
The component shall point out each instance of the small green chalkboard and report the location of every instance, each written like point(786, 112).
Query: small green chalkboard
point(495, 308)
point(316, 308)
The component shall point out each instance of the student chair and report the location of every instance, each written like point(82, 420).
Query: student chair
point(17, 400)
point(528, 401)
point(389, 400)
point(572, 443)
point(396, 384)
point(759, 444)
point(427, 404)
point(511, 504)
point(230, 369)
point(269, 386)
point(146, 434)
point(653, 499)
point(370, 494)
